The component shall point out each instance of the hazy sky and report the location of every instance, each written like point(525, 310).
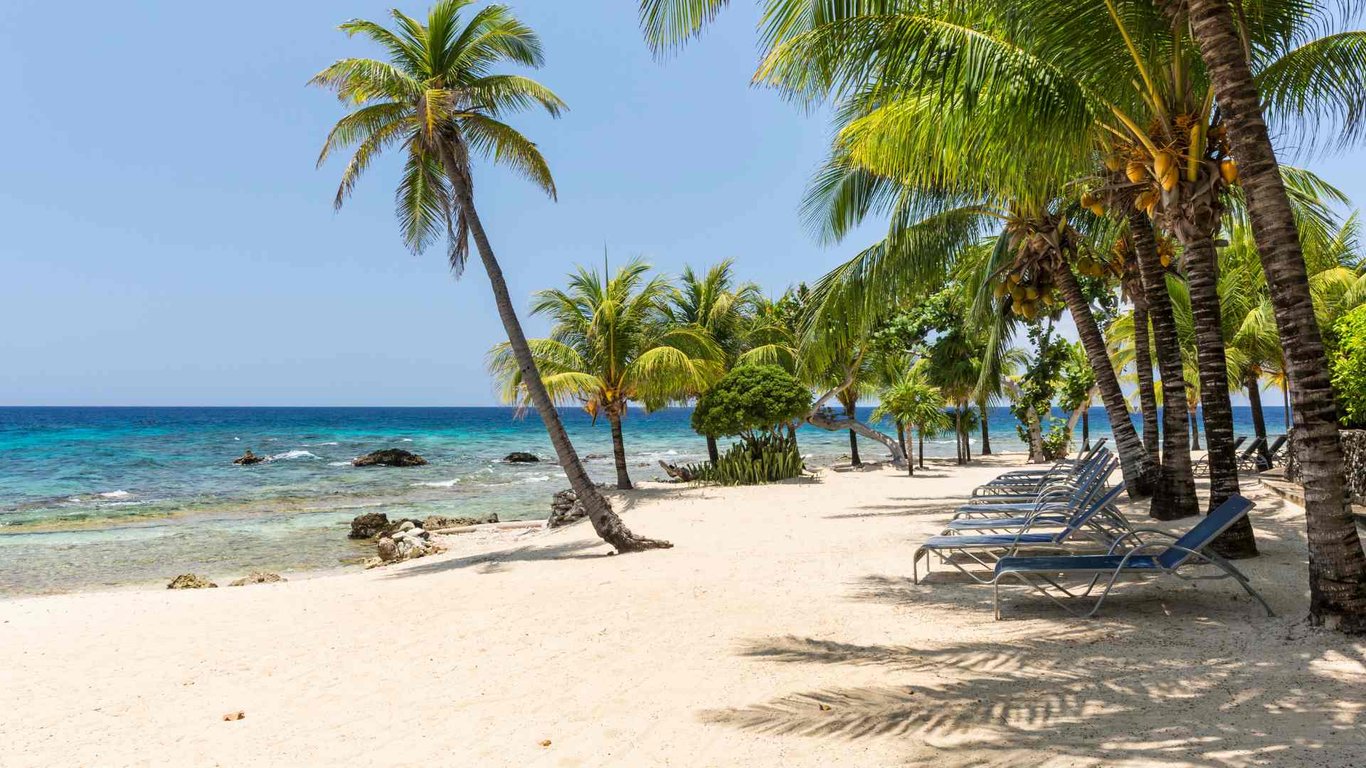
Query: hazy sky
point(165, 238)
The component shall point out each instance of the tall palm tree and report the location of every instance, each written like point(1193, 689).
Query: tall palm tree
point(612, 342)
point(1337, 564)
point(439, 100)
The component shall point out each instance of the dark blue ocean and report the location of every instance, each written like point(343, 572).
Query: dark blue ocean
point(104, 497)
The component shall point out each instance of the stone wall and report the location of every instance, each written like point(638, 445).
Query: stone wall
point(1354, 458)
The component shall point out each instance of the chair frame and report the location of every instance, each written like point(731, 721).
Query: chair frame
point(1154, 550)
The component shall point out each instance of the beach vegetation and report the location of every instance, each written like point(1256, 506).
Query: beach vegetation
point(612, 342)
point(1074, 124)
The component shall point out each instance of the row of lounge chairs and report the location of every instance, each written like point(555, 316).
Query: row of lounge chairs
point(1060, 532)
point(1257, 457)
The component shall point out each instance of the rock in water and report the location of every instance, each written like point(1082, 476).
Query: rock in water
point(248, 458)
point(190, 581)
point(437, 522)
point(389, 457)
point(257, 577)
point(368, 525)
point(565, 508)
point(521, 457)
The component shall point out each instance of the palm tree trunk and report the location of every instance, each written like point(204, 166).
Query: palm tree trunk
point(1147, 396)
point(901, 438)
point(1134, 460)
point(850, 410)
point(1174, 494)
point(921, 434)
point(1195, 426)
point(967, 435)
point(1254, 401)
point(986, 429)
point(1086, 428)
point(1202, 275)
point(713, 453)
point(619, 450)
point(1337, 564)
point(605, 522)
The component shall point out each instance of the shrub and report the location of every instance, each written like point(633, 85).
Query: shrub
point(765, 459)
point(750, 401)
point(754, 403)
point(1348, 365)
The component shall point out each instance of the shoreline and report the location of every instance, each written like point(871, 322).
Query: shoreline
point(317, 506)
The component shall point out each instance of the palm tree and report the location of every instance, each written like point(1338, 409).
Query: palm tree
point(611, 343)
point(714, 303)
point(1337, 564)
point(438, 99)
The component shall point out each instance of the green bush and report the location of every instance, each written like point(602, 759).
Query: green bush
point(1348, 366)
point(749, 401)
point(756, 403)
point(765, 459)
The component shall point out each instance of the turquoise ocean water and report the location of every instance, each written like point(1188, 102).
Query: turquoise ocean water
point(105, 497)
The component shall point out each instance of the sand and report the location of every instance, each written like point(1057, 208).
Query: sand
point(783, 630)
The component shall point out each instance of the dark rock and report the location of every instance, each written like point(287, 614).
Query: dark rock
point(389, 457)
point(190, 581)
point(248, 458)
point(565, 508)
point(368, 525)
point(257, 577)
point(437, 522)
point(521, 457)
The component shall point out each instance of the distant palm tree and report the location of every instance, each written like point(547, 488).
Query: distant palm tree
point(716, 304)
point(612, 342)
point(438, 99)
point(912, 402)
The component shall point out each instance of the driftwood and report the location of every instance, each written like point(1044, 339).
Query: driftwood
point(677, 472)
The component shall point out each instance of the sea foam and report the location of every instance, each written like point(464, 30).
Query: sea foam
point(290, 455)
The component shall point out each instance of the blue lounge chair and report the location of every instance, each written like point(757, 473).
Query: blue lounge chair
point(1068, 495)
point(1145, 559)
point(985, 549)
point(1029, 481)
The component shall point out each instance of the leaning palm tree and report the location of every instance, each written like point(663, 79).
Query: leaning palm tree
point(612, 343)
point(438, 99)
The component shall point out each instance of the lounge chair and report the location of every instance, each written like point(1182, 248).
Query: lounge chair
point(1264, 459)
point(1145, 559)
point(985, 549)
point(1023, 481)
point(1201, 465)
point(1067, 495)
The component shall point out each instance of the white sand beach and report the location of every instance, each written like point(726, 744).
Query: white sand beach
point(782, 630)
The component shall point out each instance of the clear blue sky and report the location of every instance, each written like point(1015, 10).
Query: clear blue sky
point(165, 238)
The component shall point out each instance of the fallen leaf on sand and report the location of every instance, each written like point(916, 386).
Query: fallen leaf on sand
point(238, 715)
point(545, 742)
point(825, 707)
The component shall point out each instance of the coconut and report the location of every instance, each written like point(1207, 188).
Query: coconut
point(1136, 171)
point(1229, 171)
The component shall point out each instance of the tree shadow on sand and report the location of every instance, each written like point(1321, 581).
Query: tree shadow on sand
point(1076, 696)
point(494, 562)
point(1232, 688)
